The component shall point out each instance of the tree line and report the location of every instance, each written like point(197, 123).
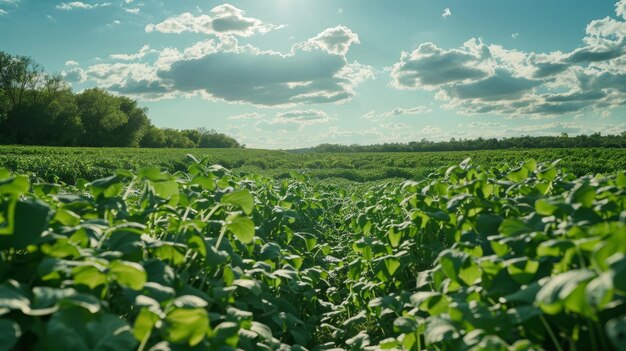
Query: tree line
point(37, 108)
point(521, 142)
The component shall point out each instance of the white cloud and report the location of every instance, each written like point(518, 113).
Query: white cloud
point(446, 13)
point(244, 116)
point(74, 75)
point(223, 20)
point(304, 117)
point(134, 11)
point(515, 35)
point(223, 69)
point(71, 63)
point(67, 6)
point(335, 40)
point(130, 57)
point(620, 8)
point(3, 12)
point(478, 78)
point(398, 111)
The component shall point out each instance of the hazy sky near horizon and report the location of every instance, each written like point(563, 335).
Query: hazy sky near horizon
point(296, 73)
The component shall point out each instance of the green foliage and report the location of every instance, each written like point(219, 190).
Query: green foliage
point(500, 257)
point(68, 165)
point(40, 109)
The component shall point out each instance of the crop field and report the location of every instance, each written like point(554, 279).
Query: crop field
point(477, 255)
point(67, 165)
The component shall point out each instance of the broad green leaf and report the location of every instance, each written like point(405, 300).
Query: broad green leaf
point(16, 185)
point(512, 227)
point(107, 187)
point(405, 325)
point(242, 227)
point(75, 329)
point(186, 325)
point(616, 330)
point(241, 198)
point(249, 284)
point(10, 332)
point(128, 274)
point(544, 208)
point(518, 175)
point(553, 295)
point(27, 219)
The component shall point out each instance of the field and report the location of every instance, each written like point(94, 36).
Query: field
point(120, 249)
point(67, 165)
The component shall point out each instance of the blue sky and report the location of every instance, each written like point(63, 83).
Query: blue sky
point(296, 73)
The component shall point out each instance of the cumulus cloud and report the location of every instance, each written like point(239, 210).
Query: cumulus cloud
point(398, 111)
point(304, 117)
point(335, 40)
point(134, 11)
point(315, 71)
point(74, 75)
point(244, 116)
point(430, 67)
point(479, 78)
point(246, 74)
point(292, 121)
point(223, 20)
point(446, 13)
point(131, 57)
point(3, 12)
point(79, 5)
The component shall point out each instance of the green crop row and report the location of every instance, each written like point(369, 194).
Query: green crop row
point(57, 164)
point(522, 257)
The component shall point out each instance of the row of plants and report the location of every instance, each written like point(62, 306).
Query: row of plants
point(519, 257)
point(68, 164)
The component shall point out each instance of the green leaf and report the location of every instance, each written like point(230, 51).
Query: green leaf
point(128, 274)
point(167, 190)
point(544, 208)
point(616, 330)
point(144, 323)
point(241, 198)
point(187, 326)
point(107, 187)
point(518, 175)
point(513, 226)
point(522, 269)
point(553, 295)
point(248, 284)
point(530, 165)
point(75, 329)
point(16, 185)
point(205, 182)
point(10, 333)
point(242, 227)
point(89, 275)
point(12, 297)
point(27, 219)
point(547, 174)
point(405, 325)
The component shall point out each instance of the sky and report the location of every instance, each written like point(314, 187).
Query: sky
point(285, 74)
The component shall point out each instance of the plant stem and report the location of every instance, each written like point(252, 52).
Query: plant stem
point(551, 333)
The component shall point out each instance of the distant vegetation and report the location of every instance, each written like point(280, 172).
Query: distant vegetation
point(68, 165)
point(522, 142)
point(40, 109)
